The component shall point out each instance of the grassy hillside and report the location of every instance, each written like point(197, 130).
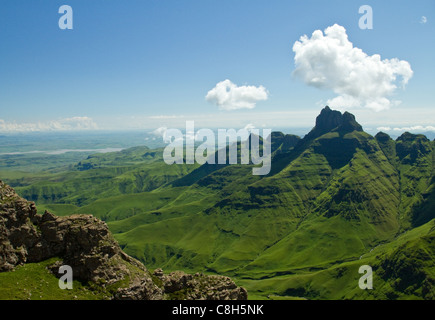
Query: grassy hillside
point(33, 281)
point(130, 171)
point(300, 231)
point(402, 269)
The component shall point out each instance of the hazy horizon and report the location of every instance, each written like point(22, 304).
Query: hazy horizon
point(146, 65)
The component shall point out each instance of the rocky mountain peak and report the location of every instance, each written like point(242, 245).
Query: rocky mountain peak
point(328, 119)
point(410, 137)
point(349, 123)
point(410, 146)
point(332, 120)
point(382, 137)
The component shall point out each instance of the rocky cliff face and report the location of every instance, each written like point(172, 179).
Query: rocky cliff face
point(85, 243)
point(331, 120)
point(17, 233)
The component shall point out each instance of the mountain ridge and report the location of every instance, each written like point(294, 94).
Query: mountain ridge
point(330, 198)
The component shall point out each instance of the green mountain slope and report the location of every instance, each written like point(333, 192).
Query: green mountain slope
point(130, 171)
point(339, 196)
point(329, 199)
point(402, 269)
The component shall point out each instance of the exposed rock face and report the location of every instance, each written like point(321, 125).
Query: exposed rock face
point(182, 286)
point(332, 120)
point(328, 119)
point(382, 137)
point(17, 233)
point(200, 287)
point(142, 288)
point(287, 141)
point(85, 243)
point(410, 146)
point(349, 123)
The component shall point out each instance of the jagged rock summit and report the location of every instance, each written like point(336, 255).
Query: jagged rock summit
point(86, 244)
point(332, 120)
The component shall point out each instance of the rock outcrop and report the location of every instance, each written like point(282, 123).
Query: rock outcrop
point(200, 287)
point(332, 120)
point(17, 233)
point(86, 244)
point(182, 286)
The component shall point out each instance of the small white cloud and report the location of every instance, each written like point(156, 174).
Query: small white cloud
point(76, 123)
point(228, 96)
point(159, 131)
point(66, 124)
point(384, 128)
point(249, 127)
point(330, 61)
point(167, 117)
point(423, 20)
point(409, 129)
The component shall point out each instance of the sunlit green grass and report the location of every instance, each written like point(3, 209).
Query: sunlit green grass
point(294, 234)
point(33, 281)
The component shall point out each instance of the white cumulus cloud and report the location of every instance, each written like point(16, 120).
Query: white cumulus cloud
point(330, 61)
point(66, 124)
point(423, 20)
point(228, 96)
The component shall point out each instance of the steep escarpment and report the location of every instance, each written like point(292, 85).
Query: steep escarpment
point(85, 244)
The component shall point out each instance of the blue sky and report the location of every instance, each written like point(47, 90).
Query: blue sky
point(147, 64)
